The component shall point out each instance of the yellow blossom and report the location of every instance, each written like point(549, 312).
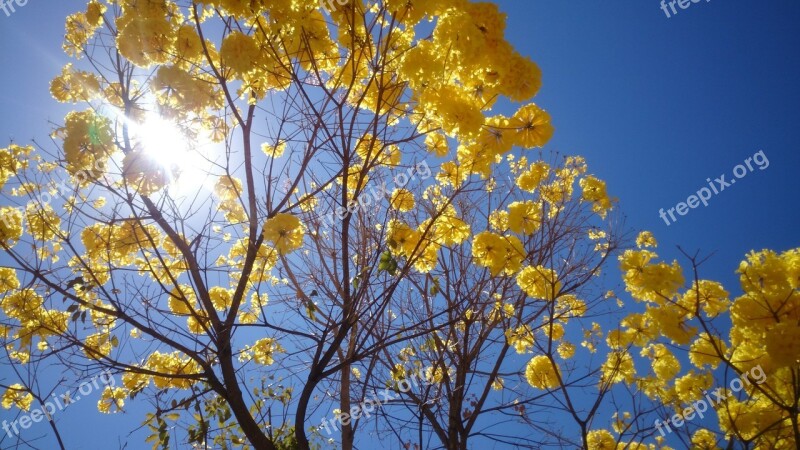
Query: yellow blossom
point(285, 232)
point(402, 200)
point(112, 397)
point(539, 282)
point(17, 395)
point(541, 373)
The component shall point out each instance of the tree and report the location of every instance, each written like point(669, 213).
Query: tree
point(537, 252)
point(175, 284)
point(264, 211)
point(744, 354)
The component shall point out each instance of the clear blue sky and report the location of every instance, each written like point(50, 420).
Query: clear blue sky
point(656, 104)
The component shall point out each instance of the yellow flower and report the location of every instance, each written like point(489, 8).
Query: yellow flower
point(143, 172)
point(692, 386)
point(94, 13)
point(88, 142)
point(522, 80)
point(401, 238)
point(240, 52)
point(145, 40)
point(704, 440)
point(476, 159)
point(97, 346)
point(426, 258)
point(520, 338)
point(497, 384)
point(459, 115)
point(398, 372)
point(402, 200)
point(707, 296)
point(174, 363)
point(221, 298)
point(135, 381)
point(594, 191)
point(530, 179)
point(670, 320)
point(600, 440)
point(489, 250)
point(435, 374)
point(248, 317)
point(515, 254)
point(450, 173)
point(187, 44)
point(566, 350)
point(198, 323)
point(450, 230)
point(79, 29)
point(183, 301)
point(704, 351)
point(499, 220)
point(229, 190)
point(533, 126)
point(274, 151)
point(264, 349)
point(74, 86)
point(22, 305)
point(618, 367)
point(500, 310)
point(8, 280)
point(285, 232)
point(494, 136)
point(524, 217)
point(111, 397)
point(783, 344)
point(539, 282)
point(10, 225)
point(17, 395)
point(649, 281)
point(368, 147)
point(43, 222)
point(554, 331)
point(646, 239)
point(541, 373)
point(665, 365)
point(437, 144)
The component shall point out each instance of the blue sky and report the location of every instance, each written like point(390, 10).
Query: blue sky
point(657, 105)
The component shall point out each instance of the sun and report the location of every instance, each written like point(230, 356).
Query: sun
point(170, 146)
point(164, 141)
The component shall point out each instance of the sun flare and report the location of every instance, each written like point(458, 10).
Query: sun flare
point(164, 141)
point(168, 145)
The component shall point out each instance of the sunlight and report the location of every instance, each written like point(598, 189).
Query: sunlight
point(168, 145)
point(164, 141)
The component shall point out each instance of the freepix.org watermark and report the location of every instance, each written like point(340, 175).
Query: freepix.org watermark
point(703, 195)
point(371, 404)
point(10, 6)
point(666, 6)
point(367, 199)
point(58, 403)
point(331, 5)
point(756, 375)
point(61, 189)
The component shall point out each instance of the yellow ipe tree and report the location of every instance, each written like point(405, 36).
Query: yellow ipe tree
point(262, 211)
